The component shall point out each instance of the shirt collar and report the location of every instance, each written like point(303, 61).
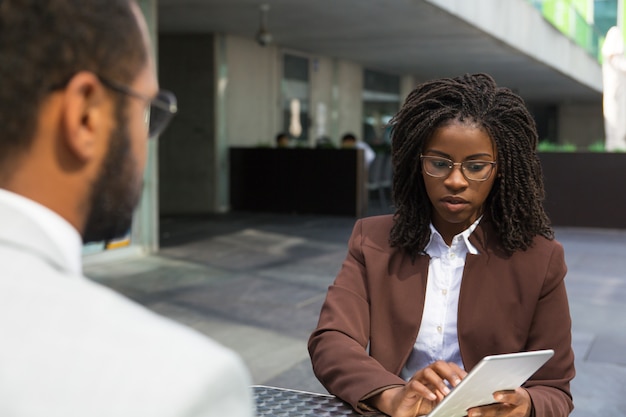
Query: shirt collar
point(436, 243)
point(59, 230)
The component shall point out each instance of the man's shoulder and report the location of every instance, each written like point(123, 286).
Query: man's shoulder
point(130, 323)
point(70, 325)
point(170, 351)
point(64, 305)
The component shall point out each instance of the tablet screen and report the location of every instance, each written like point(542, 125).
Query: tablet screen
point(491, 374)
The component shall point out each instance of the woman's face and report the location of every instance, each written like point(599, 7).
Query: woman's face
point(456, 200)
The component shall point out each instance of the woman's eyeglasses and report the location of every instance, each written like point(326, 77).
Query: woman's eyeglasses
point(474, 170)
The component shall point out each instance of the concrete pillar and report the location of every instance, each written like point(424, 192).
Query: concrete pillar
point(187, 149)
point(146, 222)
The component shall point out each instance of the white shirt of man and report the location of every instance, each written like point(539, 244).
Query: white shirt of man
point(73, 348)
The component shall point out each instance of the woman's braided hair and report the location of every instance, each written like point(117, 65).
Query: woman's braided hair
point(514, 204)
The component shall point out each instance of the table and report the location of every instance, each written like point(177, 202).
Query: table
point(282, 402)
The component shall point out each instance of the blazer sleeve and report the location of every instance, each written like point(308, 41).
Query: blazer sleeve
point(549, 388)
point(519, 303)
point(339, 345)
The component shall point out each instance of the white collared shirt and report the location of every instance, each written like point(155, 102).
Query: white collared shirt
point(438, 338)
point(67, 238)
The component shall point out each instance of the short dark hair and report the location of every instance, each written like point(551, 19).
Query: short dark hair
point(515, 203)
point(44, 43)
point(348, 136)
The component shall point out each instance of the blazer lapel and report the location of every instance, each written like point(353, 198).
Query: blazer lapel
point(477, 289)
point(411, 277)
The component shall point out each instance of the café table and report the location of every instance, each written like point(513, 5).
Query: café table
point(282, 402)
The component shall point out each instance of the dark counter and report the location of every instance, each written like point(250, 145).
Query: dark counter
point(303, 181)
point(585, 189)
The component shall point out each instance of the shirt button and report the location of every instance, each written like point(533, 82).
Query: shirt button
point(439, 329)
point(452, 256)
point(444, 292)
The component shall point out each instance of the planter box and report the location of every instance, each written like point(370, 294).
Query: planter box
point(585, 189)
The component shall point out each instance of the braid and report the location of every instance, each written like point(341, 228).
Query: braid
point(515, 203)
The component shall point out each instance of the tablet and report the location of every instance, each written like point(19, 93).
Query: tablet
point(491, 374)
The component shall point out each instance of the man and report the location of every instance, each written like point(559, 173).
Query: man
point(282, 140)
point(349, 140)
point(77, 81)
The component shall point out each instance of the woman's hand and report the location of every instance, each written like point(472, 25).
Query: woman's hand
point(422, 392)
point(509, 404)
point(434, 381)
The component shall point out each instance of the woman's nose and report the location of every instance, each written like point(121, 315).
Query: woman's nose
point(456, 179)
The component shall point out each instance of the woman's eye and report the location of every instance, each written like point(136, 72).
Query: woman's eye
point(440, 164)
point(475, 166)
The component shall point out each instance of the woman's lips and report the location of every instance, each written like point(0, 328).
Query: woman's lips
point(454, 203)
point(454, 200)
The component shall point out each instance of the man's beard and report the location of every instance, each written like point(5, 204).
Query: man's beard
point(116, 191)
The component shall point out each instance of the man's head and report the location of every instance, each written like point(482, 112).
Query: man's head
point(348, 140)
point(282, 140)
point(44, 44)
point(77, 78)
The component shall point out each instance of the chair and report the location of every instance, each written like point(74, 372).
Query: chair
point(385, 179)
point(379, 177)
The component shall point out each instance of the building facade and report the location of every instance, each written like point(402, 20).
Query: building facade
point(330, 67)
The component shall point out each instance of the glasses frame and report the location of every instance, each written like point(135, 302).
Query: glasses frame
point(164, 100)
point(452, 164)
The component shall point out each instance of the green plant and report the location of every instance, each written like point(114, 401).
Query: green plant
point(597, 146)
point(546, 146)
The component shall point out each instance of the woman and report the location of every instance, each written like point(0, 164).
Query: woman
point(466, 267)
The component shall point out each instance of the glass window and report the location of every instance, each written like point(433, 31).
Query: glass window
point(381, 100)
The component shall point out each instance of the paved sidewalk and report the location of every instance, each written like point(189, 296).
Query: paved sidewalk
point(256, 282)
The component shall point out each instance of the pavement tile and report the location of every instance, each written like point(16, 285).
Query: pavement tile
point(608, 349)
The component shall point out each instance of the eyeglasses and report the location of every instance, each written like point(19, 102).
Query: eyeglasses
point(161, 110)
point(439, 167)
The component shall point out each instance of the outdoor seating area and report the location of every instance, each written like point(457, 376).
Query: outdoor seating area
point(313, 209)
point(255, 282)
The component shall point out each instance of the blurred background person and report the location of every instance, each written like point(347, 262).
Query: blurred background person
point(349, 140)
point(282, 140)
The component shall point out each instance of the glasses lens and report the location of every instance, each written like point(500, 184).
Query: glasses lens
point(436, 167)
point(477, 170)
point(162, 109)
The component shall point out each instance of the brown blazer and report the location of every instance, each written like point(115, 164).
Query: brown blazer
point(372, 313)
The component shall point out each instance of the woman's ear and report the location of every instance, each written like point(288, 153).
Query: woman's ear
point(86, 115)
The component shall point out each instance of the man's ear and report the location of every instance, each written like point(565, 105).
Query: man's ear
point(86, 115)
